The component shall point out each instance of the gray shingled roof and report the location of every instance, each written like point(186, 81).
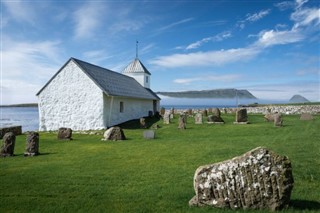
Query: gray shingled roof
point(136, 66)
point(111, 83)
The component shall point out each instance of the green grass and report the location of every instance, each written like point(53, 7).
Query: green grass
point(138, 175)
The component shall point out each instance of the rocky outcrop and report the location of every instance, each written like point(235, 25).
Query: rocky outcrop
point(259, 179)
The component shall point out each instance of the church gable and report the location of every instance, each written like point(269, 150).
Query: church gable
point(67, 100)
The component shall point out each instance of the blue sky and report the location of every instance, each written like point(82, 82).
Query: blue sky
point(270, 48)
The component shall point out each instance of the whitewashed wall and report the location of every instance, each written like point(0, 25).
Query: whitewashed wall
point(140, 77)
point(133, 109)
point(71, 100)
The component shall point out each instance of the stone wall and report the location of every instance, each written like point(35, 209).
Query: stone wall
point(288, 110)
point(17, 130)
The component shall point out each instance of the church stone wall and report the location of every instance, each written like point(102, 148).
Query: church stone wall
point(71, 100)
point(132, 109)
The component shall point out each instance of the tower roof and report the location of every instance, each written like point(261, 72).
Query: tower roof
point(136, 66)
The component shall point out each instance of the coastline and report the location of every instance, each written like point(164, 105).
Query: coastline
point(21, 105)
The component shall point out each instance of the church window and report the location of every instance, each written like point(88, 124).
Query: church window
point(121, 106)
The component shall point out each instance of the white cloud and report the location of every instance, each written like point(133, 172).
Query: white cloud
point(302, 17)
point(218, 37)
point(18, 91)
point(285, 5)
point(88, 18)
point(215, 78)
point(257, 16)
point(21, 11)
point(305, 17)
point(253, 18)
point(126, 25)
point(299, 3)
point(271, 37)
point(285, 91)
point(169, 26)
point(211, 58)
point(25, 66)
point(95, 56)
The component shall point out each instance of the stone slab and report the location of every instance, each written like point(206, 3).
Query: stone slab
point(241, 122)
point(258, 179)
point(16, 130)
point(149, 134)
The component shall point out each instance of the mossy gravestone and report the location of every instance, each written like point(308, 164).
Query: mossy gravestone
point(259, 179)
point(241, 116)
point(7, 148)
point(64, 133)
point(32, 144)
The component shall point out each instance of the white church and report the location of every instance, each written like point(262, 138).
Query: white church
point(83, 96)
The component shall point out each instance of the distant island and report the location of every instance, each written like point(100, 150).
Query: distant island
point(216, 93)
point(21, 105)
point(298, 99)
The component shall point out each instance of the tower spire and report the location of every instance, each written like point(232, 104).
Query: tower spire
point(137, 49)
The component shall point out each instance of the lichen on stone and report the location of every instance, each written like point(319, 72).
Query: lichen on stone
point(259, 179)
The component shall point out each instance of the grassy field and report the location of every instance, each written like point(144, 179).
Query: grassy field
point(139, 175)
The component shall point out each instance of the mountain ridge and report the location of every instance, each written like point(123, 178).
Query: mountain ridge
point(214, 93)
point(298, 99)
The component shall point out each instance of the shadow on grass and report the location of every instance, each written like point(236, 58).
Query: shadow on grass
point(42, 153)
point(305, 205)
point(135, 124)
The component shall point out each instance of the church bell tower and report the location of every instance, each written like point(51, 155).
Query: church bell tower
point(138, 71)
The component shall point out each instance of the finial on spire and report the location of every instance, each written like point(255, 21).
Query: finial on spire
point(137, 48)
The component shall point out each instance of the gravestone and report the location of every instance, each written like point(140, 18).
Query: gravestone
point(182, 121)
point(143, 123)
point(7, 148)
point(171, 116)
point(64, 133)
point(306, 117)
point(269, 117)
point(189, 112)
point(216, 112)
point(149, 134)
point(114, 134)
point(215, 119)
point(198, 118)
point(155, 126)
point(172, 111)
point(166, 118)
point(205, 113)
point(241, 116)
point(259, 179)
point(162, 111)
point(32, 144)
point(277, 120)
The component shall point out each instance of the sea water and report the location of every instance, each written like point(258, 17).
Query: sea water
point(27, 117)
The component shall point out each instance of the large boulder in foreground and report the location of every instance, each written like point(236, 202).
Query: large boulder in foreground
point(114, 134)
point(259, 179)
